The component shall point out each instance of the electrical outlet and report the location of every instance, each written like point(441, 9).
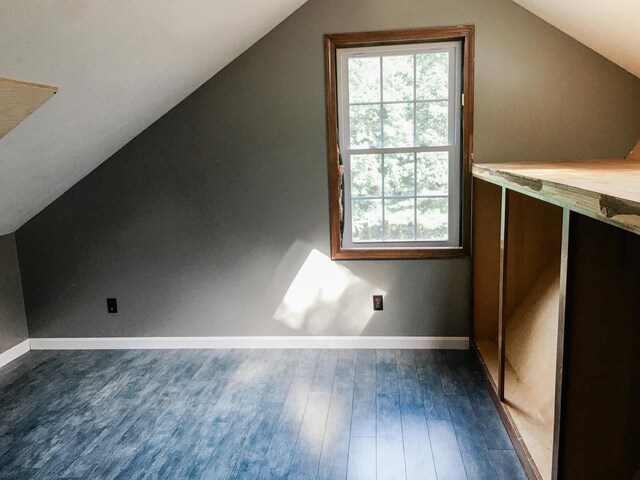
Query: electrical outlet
point(112, 305)
point(377, 302)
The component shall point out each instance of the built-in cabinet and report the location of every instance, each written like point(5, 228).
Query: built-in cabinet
point(556, 311)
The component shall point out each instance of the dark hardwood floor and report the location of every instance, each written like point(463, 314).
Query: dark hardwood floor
point(244, 414)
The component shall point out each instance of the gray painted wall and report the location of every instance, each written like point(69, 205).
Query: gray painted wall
point(13, 323)
point(201, 223)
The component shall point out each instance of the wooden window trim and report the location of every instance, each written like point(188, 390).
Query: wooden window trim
point(332, 42)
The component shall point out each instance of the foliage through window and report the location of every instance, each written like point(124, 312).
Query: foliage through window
point(399, 130)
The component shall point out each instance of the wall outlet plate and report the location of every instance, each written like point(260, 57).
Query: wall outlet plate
point(112, 305)
point(377, 302)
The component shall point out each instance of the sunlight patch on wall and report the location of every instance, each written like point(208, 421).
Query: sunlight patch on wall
point(326, 295)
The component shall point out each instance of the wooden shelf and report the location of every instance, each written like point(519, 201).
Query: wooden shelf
point(556, 263)
point(607, 190)
point(530, 307)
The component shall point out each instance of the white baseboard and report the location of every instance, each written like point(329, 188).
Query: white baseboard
point(14, 352)
point(119, 343)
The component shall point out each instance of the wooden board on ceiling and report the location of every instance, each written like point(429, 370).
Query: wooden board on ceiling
point(18, 100)
point(634, 154)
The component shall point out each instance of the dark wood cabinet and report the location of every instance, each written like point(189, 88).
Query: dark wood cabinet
point(556, 311)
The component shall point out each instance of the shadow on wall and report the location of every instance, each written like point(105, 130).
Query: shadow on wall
point(324, 295)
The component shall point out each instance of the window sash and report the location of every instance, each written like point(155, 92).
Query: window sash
point(452, 147)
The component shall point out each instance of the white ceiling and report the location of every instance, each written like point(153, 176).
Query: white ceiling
point(122, 64)
point(119, 66)
point(610, 27)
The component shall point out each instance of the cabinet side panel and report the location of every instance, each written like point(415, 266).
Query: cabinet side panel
point(486, 258)
point(600, 425)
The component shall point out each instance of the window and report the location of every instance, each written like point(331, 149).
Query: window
point(399, 134)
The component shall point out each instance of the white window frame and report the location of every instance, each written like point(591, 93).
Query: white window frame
point(453, 147)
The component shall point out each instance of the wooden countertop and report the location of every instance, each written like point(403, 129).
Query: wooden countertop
point(608, 190)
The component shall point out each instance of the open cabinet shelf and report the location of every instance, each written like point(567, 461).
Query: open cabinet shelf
point(533, 431)
point(556, 320)
point(532, 243)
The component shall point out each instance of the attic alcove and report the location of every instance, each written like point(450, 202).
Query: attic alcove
point(542, 313)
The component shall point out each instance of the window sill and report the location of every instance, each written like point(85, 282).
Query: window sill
point(397, 254)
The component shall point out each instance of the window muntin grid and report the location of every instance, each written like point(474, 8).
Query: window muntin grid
point(418, 216)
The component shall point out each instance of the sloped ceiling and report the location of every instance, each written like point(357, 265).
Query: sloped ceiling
point(119, 65)
point(610, 27)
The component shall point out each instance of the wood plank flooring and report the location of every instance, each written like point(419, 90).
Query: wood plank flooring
point(251, 414)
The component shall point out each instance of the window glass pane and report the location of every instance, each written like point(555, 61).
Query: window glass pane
point(364, 79)
point(364, 121)
point(398, 125)
point(398, 218)
point(433, 218)
point(399, 174)
point(366, 175)
point(366, 216)
point(398, 101)
point(432, 76)
point(432, 122)
point(397, 78)
point(432, 171)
